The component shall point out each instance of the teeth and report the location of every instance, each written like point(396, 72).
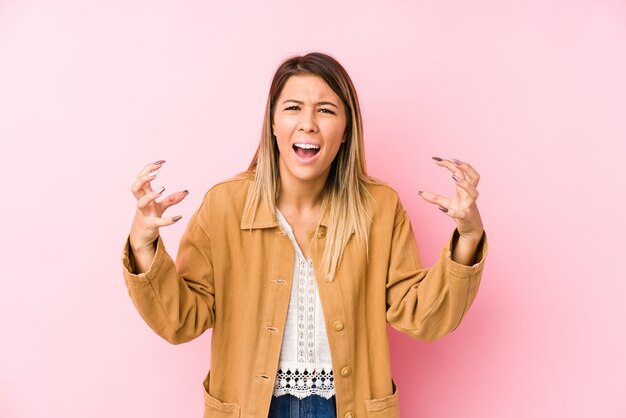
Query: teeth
point(307, 146)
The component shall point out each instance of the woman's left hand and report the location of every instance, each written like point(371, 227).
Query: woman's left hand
point(462, 207)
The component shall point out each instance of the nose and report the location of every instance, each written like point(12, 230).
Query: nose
point(307, 121)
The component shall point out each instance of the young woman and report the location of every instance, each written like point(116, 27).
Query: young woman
point(298, 263)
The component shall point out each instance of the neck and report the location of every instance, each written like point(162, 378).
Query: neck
point(299, 195)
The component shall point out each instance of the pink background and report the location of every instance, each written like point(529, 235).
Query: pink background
point(532, 93)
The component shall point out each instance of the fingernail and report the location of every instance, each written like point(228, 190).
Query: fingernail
point(455, 178)
point(160, 162)
point(443, 209)
point(457, 162)
point(154, 173)
point(176, 218)
point(160, 190)
point(420, 192)
point(436, 158)
point(186, 192)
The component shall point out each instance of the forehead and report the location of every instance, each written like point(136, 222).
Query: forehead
point(306, 87)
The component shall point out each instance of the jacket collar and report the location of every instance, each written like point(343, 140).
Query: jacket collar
point(265, 217)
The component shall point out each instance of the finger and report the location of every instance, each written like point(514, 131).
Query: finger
point(159, 222)
point(471, 173)
point(467, 186)
point(444, 204)
point(171, 200)
point(150, 172)
point(155, 222)
point(456, 170)
point(150, 167)
point(435, 198)
point(453, 213)
point(142, 186)
point(145, 200)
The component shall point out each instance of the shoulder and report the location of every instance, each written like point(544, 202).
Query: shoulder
point(380, 189)
point(231, 188)
point(384, 197)
point(224, 201)
point(385, 207)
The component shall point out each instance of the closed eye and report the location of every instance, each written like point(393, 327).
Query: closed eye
point(293, 108)
point(327, 111)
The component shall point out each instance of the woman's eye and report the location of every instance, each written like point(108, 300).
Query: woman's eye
point(324, 110)
point(293, 108)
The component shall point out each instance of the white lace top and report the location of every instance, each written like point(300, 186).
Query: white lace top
point(305, 366)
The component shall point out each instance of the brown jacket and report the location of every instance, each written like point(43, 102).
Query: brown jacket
point(238, 282)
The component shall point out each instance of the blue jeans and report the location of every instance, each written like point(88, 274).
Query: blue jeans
point(313, 406)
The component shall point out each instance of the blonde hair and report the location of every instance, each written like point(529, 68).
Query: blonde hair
point(345, 195)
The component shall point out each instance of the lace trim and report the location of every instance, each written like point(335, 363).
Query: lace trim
point(306, 312)
point(304, 383)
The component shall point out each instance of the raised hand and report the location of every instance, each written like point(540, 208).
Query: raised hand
point(462, 207)
point(148, 220)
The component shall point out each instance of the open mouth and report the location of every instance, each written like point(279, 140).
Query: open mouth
point(306, 151)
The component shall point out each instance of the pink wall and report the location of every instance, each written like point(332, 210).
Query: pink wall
point(532, 93)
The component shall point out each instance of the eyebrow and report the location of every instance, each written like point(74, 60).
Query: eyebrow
point(318, 103)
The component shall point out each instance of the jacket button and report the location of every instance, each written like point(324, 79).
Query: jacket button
point(338, 325)
point(349, 415)
point(345, 372)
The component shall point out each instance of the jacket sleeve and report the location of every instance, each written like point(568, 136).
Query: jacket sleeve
point(428, 303)
point(175, 299)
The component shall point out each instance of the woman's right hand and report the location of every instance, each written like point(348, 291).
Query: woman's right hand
point(145, 228)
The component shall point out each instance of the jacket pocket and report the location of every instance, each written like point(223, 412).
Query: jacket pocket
point(386, 407)
point(214, 408)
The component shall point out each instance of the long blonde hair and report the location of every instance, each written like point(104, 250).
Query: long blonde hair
point(345, 195)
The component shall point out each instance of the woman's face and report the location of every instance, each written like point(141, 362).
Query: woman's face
point(309, 125)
